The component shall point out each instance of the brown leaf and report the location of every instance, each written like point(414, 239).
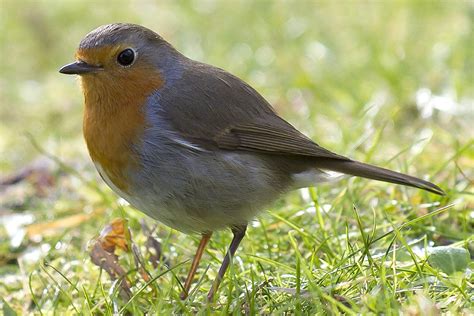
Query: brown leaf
point(109, 262)
point(53, 227)
point(114, 235)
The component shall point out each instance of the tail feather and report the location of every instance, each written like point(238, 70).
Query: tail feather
point(363, 170)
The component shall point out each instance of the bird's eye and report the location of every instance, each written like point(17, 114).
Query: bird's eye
point(126, 57)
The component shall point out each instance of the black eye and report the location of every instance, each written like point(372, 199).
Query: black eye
point(126, 57)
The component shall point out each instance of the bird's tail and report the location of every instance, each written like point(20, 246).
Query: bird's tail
point(363, 170)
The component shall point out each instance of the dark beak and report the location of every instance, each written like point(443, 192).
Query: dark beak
point(79, 68)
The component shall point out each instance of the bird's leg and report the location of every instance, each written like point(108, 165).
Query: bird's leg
point(239, 233)
point(197, 257)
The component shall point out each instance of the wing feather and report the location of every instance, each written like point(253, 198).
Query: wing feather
point(279, 139)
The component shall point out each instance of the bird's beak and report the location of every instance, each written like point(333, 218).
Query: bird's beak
point(79, 68)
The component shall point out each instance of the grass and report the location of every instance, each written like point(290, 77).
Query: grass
point(385, 82)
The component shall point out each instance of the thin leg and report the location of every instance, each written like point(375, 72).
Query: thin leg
point(197, 257)
point(239, 233)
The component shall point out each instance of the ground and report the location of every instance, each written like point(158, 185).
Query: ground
point(389, 83)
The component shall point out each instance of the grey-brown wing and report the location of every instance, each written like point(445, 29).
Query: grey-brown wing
point(275, 136)
point(212, 108)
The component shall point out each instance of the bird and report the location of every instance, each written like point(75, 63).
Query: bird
point(191, 145)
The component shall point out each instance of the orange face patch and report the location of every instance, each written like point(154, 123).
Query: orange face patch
point(114, 117)
point(103, 55)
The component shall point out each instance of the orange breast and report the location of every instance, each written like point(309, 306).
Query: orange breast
point(114, 119)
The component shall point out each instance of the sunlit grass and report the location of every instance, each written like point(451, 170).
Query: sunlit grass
point(386, 83)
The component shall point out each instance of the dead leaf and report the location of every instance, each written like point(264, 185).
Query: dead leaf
point(109, 262)
point(117, 235)
point(114, 235)
point(53, 227)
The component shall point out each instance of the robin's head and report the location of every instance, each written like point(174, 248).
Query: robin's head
point(120, 66)
point(121, 55)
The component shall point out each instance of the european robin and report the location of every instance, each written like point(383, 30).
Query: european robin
point(190, 144)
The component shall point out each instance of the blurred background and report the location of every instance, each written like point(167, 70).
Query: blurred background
point(389, 82)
